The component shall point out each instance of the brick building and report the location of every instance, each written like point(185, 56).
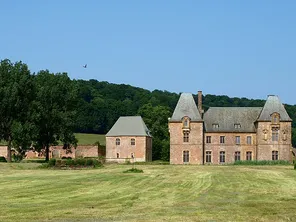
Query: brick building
point(226, 134)
point(129, 139)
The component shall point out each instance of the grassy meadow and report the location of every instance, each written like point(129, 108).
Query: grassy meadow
point(90, 139)
point(161, 193)
point(83, 139)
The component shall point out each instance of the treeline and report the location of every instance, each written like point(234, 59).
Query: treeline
point(40, 109)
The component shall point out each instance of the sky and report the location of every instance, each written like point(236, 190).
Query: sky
point(222, 47)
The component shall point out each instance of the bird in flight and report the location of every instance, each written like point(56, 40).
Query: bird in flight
point(85, 66)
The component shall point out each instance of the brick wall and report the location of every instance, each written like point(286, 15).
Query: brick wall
point(229, 146)
point(3, 151)
point(142, 147)
point(194, 146)
point(266, 145)
point(59, 152)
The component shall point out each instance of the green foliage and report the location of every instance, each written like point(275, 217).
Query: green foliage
point(16, 94)
point(17, 157)
point(3, 159)
point(262, 162)
point(133, 170)
point(55, 110)
point(74, 163)
point(52, 162)
point(156, 119)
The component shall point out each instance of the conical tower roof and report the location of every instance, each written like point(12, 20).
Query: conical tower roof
point(186, 107)
point(272, 105)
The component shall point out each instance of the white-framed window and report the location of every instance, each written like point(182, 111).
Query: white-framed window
point(249, 140)
point(117, 155)
point(237, 125)
point(222, 139)
point(117, 141)
point(237, 140)
point(215, 125)
point(208, 139)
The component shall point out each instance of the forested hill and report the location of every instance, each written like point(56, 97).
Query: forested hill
point(101, 103)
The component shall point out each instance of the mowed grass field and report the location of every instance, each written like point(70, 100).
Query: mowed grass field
point(90, 139)
point(161, 193)
point(83, 139)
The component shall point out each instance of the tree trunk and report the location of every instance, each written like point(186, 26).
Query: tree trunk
point(47, 153)
point(9, 151)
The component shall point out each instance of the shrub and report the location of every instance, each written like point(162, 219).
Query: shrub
point(262, 162)
point(133, 170)
point(89, 162)
point(52, 162)
point(69, 162)
point(80, 162)
point(17, 157)
point(3, 159)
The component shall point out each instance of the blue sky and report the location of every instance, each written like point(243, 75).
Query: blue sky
point(235, 48)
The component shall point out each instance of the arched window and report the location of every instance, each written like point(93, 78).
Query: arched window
point(186, 122)
point(117, 155)
point(275, 118)
point(117, 141)
point(133, 142)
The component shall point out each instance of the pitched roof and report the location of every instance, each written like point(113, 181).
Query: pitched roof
point(273, 104)
point(129, 126)
point(227, 117)
point(186, 107)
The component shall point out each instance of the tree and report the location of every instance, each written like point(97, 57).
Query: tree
point(156, 119)
point(16, 94)
point(55, 110)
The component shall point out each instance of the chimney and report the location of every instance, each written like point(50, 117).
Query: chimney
point(199, 102)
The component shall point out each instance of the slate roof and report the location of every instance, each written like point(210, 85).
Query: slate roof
point(129, 126)
point(186, 107)
point(227, 117)
point(273, 104)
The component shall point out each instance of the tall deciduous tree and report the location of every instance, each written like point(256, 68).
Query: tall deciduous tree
point(16, 94)
point(55, 110)
point(156, 119)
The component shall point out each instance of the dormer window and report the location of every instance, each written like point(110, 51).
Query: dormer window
point(215, 125)
point(186, 122)
point(275, 118)
point(237, 125)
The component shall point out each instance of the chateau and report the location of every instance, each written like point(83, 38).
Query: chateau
point(227, 134)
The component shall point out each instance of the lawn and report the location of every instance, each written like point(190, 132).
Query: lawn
point(83, 139)
point(161, 193)
point(90, 139)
